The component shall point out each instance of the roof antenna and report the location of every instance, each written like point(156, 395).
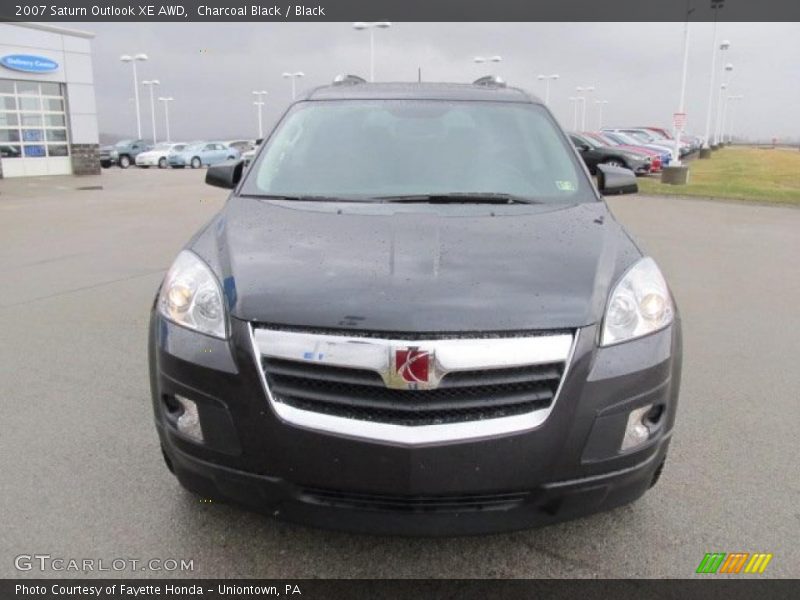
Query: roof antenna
point(419, 74)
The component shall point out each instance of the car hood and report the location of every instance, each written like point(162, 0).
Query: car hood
point(419, 268)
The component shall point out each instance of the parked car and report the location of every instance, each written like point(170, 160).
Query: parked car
point(250, 154)
point(628, 140)
point(201, 154)
point(415, 314)
point(655, 156)
point(648, 138)
point(594, 153)
point(241, 145)
point(157, 156)
point(123, 153)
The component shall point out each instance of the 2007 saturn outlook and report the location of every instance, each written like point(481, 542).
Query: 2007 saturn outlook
point(415, 314)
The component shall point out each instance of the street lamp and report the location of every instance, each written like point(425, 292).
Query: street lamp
point(730, 121)
point(600, 104)
point(584, 90)
point(166, 101)
point(487, 59)
point(574, 100)
point(152, 83)
point(260, 104)
point(721, 101)
point(132, 59)
point(371, 27)
point(547, 79)
point(679, 120)
point(293, 76)
point(716, 5)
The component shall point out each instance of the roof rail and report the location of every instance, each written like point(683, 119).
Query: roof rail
point(490, 81)
point(348, 80)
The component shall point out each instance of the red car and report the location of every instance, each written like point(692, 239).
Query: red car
point(655, 157)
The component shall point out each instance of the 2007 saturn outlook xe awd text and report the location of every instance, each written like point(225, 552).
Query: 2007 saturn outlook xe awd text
point(415, 314)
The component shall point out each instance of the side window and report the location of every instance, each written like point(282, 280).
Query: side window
point(209, 147)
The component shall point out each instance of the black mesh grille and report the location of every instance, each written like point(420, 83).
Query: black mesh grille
point(413, 504)
point(461, 396)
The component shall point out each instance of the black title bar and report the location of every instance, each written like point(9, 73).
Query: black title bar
point(710, 588)
point(399, 10)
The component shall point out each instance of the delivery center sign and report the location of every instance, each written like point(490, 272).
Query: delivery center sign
point(28, 63)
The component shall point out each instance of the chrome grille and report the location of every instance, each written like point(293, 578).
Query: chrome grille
point(348, 383)
point(462, 396)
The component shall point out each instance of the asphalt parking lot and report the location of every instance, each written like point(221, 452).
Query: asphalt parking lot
point(82, 476)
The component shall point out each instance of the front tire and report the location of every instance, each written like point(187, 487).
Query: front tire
point(162, 163)
point(196, 163)
point(124, 161)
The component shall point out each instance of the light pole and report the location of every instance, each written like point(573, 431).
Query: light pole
point(716, 5)
point(574, 100)
point(371, 27)
point(730, 120)
point(547, 79)
point(584, 90)
point(152, 83)
point(678, 123)
point(600, 104)
point(260, 104)
point(293, 76)
point(720, 101)
point(166, 101)
point(132, 60)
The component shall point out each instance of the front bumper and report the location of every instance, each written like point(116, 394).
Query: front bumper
point(640, 167)
point(568, 466)
point(147, 161)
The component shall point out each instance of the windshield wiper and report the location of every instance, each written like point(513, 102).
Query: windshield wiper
point(460, 198)
point(301, 198)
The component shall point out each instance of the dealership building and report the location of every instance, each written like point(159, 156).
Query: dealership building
point(48, 114)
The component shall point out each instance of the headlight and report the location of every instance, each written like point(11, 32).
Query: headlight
point(190, 296)
point(639, 304)
point(115, 153)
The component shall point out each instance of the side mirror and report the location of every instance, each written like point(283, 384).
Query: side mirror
point(225, 174)
point(582, 148)
point(616, 180)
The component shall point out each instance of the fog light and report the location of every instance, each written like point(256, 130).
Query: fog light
point(636, 432)
point(189, 421)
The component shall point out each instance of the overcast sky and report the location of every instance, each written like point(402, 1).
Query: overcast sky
point(211, 69)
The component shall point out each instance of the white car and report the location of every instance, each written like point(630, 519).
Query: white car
point(241, 145)
point(250, 154)
point(157, 156)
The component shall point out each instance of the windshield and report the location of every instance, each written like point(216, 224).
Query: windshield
point(641, 135)
point(624, 139)
point(162, 146)
point(374, 149)
point(604, 139)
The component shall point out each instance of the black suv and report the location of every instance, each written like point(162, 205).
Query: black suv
point(415, 314)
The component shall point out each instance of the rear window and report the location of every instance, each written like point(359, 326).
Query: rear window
point(363, 149)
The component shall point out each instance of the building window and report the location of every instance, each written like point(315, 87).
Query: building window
point(33, 119)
